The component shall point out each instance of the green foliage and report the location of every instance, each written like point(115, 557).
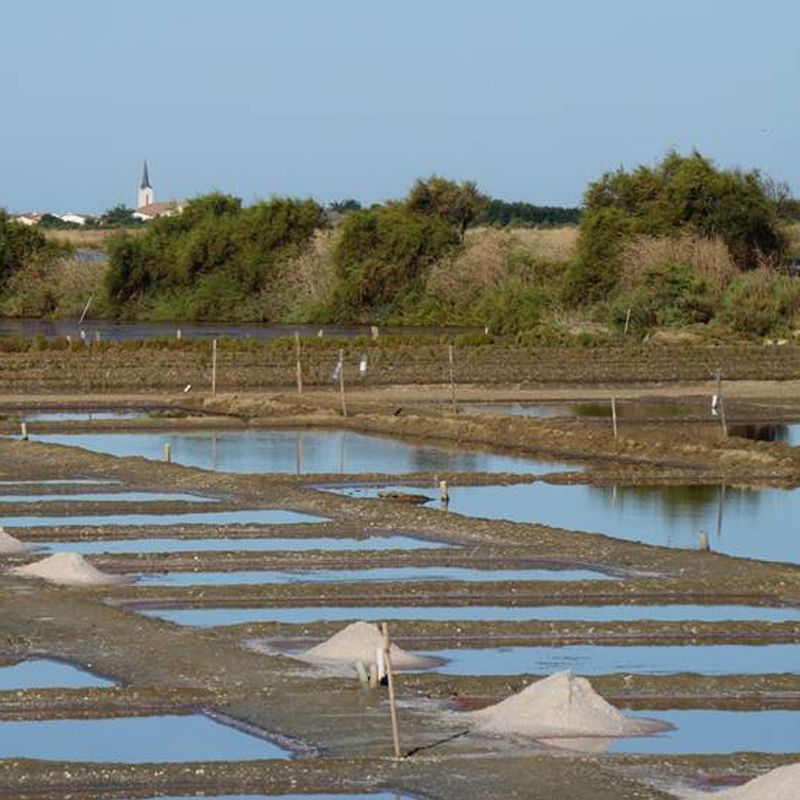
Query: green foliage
point(689, 192)
point(214, 260)
point(119, 216)
point(512, 308)
point(526, 215)
point(668, 295)
point(761, 303)
point(345, 206)
point(22, 245)
point(594, 274)
point(380, 258)
point(458, 204)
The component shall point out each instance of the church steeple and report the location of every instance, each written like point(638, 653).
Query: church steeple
point(145, 177)
point(146, 195)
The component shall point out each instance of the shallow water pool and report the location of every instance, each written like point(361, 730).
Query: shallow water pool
point(132, 740)
point(209, 617)
point(109, 497)
point(376, 574)
point(156, 545)
point(707, 732)
point(722, 659)
point(45, 673)
point(298, 452)
point(84, 416)
point(258, 516)
point(752, 523)
point(598, 409)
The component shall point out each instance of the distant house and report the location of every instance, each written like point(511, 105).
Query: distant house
point(28, 218)
point(73, 218)
point(154, 210)
point(146, 206)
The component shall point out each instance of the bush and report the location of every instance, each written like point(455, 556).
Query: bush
point(668, 295)
point(761, 303)
point(380, 260)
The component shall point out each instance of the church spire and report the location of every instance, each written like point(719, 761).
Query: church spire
point(146, 195)
point(145, 177)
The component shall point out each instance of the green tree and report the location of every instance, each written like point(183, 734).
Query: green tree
point(381, 257)
point(458, 204)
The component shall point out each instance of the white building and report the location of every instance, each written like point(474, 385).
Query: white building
point(146, 195)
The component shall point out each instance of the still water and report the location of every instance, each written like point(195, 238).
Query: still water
point(117, 546)
point(132, 740)
point(626, 409)
point(209, 617)
point(108, 497)
point(376, 574)
point(297, 452)
point(753, 523)
point(44, 673)
point(717, 659)
point(138, 331)
point(258, 516)
point(84, 416)
point(706, 732)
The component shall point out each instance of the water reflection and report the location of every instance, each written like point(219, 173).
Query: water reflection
point(44, 673)
point(210, 617)
point(722, 659)
point(785, 434)
point(132, 740)
point(299, 452)
point(752, 523)
point(600, 409)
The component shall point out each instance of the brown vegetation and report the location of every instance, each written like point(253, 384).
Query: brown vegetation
point(710, 259)
point(88, 239)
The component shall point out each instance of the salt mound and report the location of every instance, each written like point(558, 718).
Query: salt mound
point(11, 546)
point(782, 783)
point(358, 642)
point(560, 705)
point(68, 569)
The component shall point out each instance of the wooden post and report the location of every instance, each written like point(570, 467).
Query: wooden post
point(614, 417)
point(452, 379)
point(444, 493)
point(721, 404)
point(86, 309)
point(298, 366)
point(23, 431)
point(167, 452)
point(341, 383)
point(387, 655)
point(627, 322)
point(214, 367)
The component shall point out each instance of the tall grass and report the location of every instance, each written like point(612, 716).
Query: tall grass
point(710, 259)
point(88, 239)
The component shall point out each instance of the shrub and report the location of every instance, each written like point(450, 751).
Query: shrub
point(667, 295)
point(761, 303)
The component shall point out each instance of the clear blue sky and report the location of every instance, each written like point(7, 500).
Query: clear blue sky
point(356, 98)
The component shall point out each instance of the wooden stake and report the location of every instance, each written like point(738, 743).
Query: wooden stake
point(214, 367)
point(627, 322)
point(614, 417)
point(452, 379)
point(387, 655)
point(721, 404)
point(86, 309)
point(23, 431)
point(341, 383)
point(167, 452)
point(298, 367)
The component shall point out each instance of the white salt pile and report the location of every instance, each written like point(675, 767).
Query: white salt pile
point(782, 783)
point(68, 569)
point(11, 546)
point(358, 642)
point(560, 705)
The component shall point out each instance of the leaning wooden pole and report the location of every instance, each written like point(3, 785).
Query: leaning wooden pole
point(387, 657)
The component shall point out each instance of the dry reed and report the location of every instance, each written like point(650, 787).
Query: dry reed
point(709, 258)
